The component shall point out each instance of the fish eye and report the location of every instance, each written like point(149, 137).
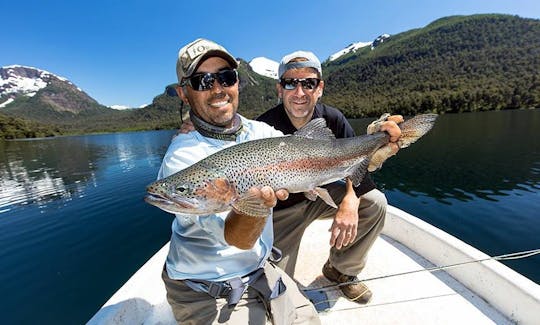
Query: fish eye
point(182, 189)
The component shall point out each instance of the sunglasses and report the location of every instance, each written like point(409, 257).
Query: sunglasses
point(307, 83)
point(205, 81)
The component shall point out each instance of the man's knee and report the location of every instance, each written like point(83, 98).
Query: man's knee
point(375, 202)
point(372, 211)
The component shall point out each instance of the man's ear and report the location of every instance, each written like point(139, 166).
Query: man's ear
point(320, 89)
point(182, 94)
point(279, 91)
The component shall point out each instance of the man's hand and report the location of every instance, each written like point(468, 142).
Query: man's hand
point(242, 230)
point(391, 126)
point(387, 123)
point(344, 228)
point(186, 127)
point(267, 195)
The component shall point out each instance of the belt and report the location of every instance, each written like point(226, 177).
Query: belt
point(234, 288)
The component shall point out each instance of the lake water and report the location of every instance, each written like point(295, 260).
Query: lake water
point(74, 226)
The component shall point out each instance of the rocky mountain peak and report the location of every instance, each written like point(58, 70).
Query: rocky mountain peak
point(42, 87)
point(16, 80)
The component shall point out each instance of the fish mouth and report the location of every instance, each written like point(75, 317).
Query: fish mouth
point(172, 206)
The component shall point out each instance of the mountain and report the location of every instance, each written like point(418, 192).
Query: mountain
point(39, 95)
point(19, 80)
point(454, 64)
point(37, 103)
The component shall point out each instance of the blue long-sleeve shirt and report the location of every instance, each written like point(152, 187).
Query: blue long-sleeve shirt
point(198, 249)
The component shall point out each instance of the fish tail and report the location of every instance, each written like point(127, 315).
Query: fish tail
point(414, 128)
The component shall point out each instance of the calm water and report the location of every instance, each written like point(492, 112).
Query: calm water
point(74, 227)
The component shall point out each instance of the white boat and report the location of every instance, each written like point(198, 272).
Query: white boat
point(404, 292)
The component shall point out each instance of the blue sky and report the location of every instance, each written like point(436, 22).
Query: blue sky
point(124, 52)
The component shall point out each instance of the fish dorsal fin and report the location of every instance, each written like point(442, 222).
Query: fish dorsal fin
point(315, 129)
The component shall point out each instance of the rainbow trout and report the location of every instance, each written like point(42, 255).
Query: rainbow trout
point(301, 162)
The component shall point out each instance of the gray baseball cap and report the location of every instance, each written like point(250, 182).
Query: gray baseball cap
point(286, 64)
point(192, 54)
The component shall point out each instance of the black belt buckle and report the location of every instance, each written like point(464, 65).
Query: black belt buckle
point(219, 289)
point(275, 255)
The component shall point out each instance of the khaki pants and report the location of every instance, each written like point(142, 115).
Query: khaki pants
point(290, 224)
point(192, 307)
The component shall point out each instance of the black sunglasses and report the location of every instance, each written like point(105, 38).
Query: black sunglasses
point(205, 81)
point(307, 83)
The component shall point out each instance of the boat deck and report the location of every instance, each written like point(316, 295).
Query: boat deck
point(413, 298)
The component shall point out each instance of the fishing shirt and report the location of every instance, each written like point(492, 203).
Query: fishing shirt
point(198, 249)
point(335, 120)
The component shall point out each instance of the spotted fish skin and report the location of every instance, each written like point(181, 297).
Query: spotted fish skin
point(302, 162)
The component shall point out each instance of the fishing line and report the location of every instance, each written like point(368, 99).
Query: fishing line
point(504, 257)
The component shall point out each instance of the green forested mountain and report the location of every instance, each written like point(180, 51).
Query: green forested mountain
point(455, 64)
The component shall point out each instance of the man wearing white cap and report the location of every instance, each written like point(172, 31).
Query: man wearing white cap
point(212, 273)
point(360, 216)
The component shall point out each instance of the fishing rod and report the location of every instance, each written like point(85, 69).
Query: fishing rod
point(504, 257)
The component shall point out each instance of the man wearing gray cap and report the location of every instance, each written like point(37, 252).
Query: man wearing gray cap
point(212, 273)
point(360, 216)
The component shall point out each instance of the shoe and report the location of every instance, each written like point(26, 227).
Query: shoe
point(356, 291)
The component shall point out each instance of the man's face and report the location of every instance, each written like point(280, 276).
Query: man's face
point(299, 102)
point(217, 105)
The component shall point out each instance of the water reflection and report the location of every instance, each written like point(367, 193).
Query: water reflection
point(44, 170)
point(41, 171)
point(477, 155)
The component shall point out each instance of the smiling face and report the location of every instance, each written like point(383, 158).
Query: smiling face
point(299, 103)
point(217, 105)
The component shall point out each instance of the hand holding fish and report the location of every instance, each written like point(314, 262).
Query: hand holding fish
point(391, 127)
point(389, 124)
point(242, 230)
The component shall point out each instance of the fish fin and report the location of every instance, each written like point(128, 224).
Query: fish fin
point(315, 129)
point(379, 157)
point(414, 128)
point(323, 194)
point(311, 195)
point(359, 172)
point(251, 205)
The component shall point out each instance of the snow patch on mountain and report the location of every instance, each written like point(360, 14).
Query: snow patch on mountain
point(18, 80)
point(353, 47)
point(265, 67)
point(7, 102)
point(119, 107)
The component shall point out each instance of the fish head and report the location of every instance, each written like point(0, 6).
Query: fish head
point(192, 191)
